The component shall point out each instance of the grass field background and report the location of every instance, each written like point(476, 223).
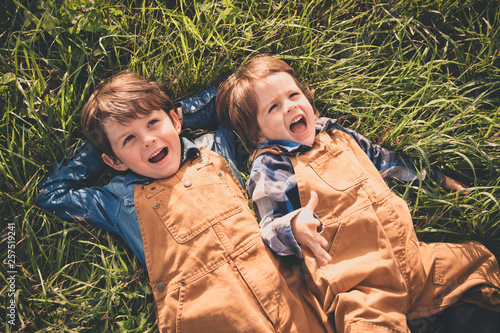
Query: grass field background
point(419, 77)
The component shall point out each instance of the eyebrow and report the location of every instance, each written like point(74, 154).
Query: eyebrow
point(120, 138)
point(265, 106)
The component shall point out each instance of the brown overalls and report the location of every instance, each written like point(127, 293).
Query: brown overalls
point(380, 272)
point(208, 266)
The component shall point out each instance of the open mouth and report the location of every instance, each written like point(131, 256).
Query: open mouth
point(160, 155)
point(299, 125)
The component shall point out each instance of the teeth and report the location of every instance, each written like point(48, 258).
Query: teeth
point(297, 120)
point(155, 154)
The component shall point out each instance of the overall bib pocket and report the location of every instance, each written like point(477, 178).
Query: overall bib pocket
point(199, 211)
point(338, 169)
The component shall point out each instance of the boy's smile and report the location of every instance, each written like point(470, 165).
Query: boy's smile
point(283, 111)
point(159, 155)
point(149, 145)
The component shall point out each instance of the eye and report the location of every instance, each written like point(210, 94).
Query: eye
point(128, 139)
point(152, 122)
point(294, 94)
point(274, 106)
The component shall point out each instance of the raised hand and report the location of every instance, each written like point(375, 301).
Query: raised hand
point(305, 230)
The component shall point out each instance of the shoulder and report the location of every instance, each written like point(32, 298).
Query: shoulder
point(122, 186)
point(270, 170)
point(271, 164)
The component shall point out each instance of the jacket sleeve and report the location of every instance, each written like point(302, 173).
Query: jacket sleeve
point(199, 111)
point(67, 193)
point(391, 164)
point(273, 189)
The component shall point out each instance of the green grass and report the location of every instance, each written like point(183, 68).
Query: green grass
point(419, 77)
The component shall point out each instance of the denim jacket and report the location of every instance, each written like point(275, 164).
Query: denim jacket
point(68, 191)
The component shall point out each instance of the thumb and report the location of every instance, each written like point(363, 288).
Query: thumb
point(313, 202)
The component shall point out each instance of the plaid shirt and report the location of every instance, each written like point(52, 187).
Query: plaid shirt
point(273, 185)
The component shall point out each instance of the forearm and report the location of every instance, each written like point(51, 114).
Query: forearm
point(272, 186)
point(62, 191)
point(392, 164)
point(277, 234)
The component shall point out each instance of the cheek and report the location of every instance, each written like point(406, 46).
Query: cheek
point(133, 152)
point(261, 123)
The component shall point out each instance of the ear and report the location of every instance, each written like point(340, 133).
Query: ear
point(114, 163)
point(175, 121)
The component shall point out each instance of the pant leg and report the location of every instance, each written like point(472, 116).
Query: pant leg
point(292, 271)
point(456, 273)
point(362, 288)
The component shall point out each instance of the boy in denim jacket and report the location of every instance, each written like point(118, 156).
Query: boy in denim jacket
point(182, 211)
point(319, 196)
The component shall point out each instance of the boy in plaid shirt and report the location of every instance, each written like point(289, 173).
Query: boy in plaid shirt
point(319, 195)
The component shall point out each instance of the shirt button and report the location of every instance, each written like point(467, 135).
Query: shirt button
point(193, 108)
point(153, 188)
point(160, 286)
point(187, 183)
point(156, 206)
point(220, 174)
point(183, 282)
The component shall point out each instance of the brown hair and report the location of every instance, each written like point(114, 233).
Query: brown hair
point(121, 98)
point(236, 101)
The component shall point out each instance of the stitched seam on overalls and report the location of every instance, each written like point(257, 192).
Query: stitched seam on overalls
point(180, 307)
point(143, 236)
point(441, 303)
point(402, 244)
point(336, 240)
point(333, 219)
point(190, 277)
point(210, 267)
point(183, 236)
point(365, 324)
point(250, 242)
point(261, 297)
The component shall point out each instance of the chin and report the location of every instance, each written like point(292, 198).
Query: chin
point(309, 141)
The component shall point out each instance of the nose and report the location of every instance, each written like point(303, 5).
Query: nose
point(149, 141)
point(289, 106)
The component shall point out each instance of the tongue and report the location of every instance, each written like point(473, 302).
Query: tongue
point(298, 127)
point(161, 155)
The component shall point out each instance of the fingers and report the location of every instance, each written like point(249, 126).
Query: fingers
point(313, 202)
point(304, 229)
point(320, 240)
point(318, 245)
point(320, 253)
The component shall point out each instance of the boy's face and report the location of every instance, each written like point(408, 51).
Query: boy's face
point(283, 112)
point(149, 145)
